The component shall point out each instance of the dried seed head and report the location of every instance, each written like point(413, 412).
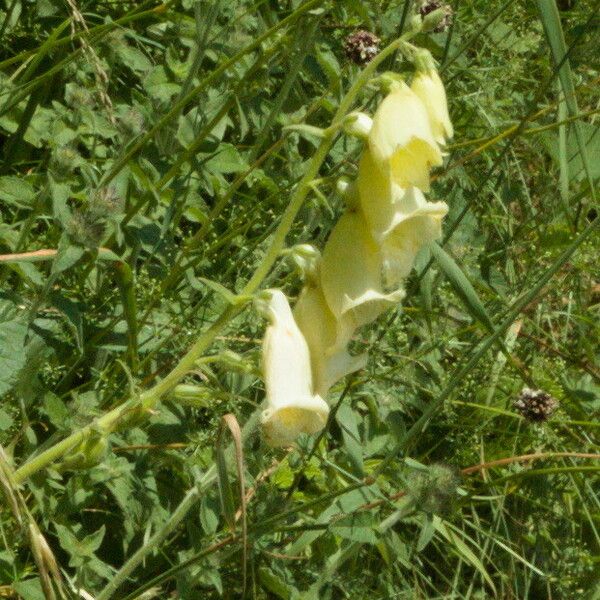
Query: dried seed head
point(85, 229)
point(361, 47)
point(435, 490)
point(77, 96)
point(132, 121)
point(444, 20)
point(535, 405)
point(64, 161)
point(105, 203)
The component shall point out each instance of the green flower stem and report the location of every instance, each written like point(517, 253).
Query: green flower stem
point(150, 398)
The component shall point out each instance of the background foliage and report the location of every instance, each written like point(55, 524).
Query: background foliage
point(144, 156)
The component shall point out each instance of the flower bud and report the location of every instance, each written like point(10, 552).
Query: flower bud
point(437, 16)
point(428, 86)
point(435, 490)
point(358, 124)
point(307, 259)
point(87, 454)
point(292, 406)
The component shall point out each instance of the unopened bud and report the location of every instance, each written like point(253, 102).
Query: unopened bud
point(358, 124)
point(437, 16)
point(349, 192)
point(106, 203)
point(85, 229)
point(307, 258)
point(87, 454)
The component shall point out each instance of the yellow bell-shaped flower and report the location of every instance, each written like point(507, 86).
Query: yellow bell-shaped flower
point(330, 360)
point(428, 86)
point(351, 275)
point(384, 204)
point(401, 139)
point(417, 222)
point(292, 406)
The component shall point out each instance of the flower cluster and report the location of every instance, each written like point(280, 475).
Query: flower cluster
point(369, 253)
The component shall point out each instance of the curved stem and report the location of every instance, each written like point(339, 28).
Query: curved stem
point(152, 396)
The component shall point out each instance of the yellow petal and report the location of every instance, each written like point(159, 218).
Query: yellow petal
point(377, 194)
point(401, 139)
point(330, 360)
point(351, 275)
point(292, 407)
point(385, 205)
point(421, 224)
point(429, 88)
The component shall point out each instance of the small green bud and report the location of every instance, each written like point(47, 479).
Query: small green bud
point(77, 96)
point(87, 454)
point(437, 16)
point(307, 259)
point(349, 192)
point(358, 124)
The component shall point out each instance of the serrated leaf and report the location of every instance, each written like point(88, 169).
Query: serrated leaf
point(79, 549)
point(226, 160)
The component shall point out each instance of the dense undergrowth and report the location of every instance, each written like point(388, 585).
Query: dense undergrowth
point(147, 160)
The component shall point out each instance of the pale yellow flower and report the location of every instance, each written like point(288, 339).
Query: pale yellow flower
point(418, 222)
point(428, 86)
point(292, 406)
point(401, 139)
point(351, 275)
point(330, 360)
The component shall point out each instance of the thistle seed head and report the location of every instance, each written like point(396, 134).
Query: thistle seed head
point(361, 47)
point(535, 405)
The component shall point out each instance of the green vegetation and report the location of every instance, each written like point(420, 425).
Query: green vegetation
point(151, 182)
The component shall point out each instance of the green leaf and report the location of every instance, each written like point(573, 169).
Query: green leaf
point(16, 191)
point(225, 493)
point(79, 550)
point(274, 584)
point(226, 160)
point(453, 536)
point(427, 531)
point(12, 351)
point(29, 589)
point(67, 255)
point(358, 527)
point(550, 18)
point(348, 421)
point(6, 421)
point(461, 285)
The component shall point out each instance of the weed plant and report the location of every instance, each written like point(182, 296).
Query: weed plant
point(150, 153)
